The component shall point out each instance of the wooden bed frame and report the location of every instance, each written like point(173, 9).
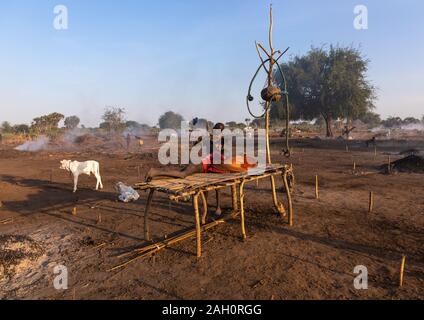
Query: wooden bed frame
point(196, 185)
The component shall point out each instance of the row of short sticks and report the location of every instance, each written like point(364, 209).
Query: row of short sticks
point(370, 210)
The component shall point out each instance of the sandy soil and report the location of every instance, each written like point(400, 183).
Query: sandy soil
point(314, 259)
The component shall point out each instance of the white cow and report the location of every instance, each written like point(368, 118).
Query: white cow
point(87, 167)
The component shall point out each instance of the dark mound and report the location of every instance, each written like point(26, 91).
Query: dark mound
point(411, 164)
point(409, 152)
point(88, 139)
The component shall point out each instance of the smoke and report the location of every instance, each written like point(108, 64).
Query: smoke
point(134, 132)
point(413, 127)
point(33, 146)
point(71, 136)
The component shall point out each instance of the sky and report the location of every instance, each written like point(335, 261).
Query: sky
point(195, 57)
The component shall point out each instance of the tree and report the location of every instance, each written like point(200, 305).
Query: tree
point(329, 83)
point(392, 122)
point(6, 127)
point(114, 119)
point(170, 120)
point(201, 123)
point(72, 122)
point(410, 120)
point(21, 129)
point(231, 124)
point(258, 123)
point(371, 119)
point(46, 124)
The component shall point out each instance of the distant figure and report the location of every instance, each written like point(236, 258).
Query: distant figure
point(371, 142)
point(140, 141)
point(346, 131)
point(128, 141)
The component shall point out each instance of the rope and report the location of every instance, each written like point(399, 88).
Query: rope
point(249, 98)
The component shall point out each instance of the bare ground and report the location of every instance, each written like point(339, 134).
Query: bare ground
point(314, 259)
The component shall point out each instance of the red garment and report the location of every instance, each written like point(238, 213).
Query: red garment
point(208, 163)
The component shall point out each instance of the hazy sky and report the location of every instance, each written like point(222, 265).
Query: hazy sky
point(195, 57)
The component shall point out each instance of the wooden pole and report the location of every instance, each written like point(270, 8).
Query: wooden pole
point(156, 247)
point(198, 230)
point(74, 211)
point(371, 202)
point(289, 199)
point(138, 172)
point(316, 187)
point(243, 229)
point(146, 215)
point(402, 270)
point(234, 197)
point(354, 166)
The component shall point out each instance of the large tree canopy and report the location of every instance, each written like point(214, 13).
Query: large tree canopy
point(170, 120)
point(71, 122)
point(114, 119)
point(45, 124)
point(329, 83)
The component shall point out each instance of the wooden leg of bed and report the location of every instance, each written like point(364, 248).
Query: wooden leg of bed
point(198, 234)
point(146, 216)
point(235, 200)
point(205, 207)
point(218, 203)
point(278, 205)
point(243, 229)
point(289, 199)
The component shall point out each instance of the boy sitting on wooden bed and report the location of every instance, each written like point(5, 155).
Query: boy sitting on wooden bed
point(212, 163)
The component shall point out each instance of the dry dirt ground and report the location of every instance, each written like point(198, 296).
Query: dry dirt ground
point(314, 259)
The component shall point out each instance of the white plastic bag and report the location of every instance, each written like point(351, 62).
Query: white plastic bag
point(126, 193)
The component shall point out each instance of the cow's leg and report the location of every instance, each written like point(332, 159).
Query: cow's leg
point(101, 183)
point(97, 181)
point(75, 182)
point(98, 176)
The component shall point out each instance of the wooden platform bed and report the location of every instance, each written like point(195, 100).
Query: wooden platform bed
point(195, 186)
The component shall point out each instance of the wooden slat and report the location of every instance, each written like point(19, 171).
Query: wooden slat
point(202, 180)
